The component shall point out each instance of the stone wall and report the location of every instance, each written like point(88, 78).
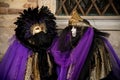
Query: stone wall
point(9, 10)
point(6, 31)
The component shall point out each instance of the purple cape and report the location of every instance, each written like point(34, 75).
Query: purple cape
point(76, 57)
point(13, 64)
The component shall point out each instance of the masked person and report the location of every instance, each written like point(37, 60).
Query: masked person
point(82, 52)
point(27, 57)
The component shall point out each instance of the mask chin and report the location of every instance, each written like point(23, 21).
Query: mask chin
point(40, 41)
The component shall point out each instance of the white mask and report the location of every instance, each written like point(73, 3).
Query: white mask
point(73, 30)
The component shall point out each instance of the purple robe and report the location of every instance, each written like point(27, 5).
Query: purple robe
point(75, 57)
point(13, 64)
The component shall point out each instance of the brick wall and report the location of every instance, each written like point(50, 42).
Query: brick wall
point(15, 6)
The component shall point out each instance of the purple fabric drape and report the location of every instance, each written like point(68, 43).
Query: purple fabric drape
point(76, 57)
point(13, 64)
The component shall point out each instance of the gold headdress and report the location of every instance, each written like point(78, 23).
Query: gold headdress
point(77, 20)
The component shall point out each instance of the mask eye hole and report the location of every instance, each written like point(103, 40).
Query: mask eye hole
point(38, 28)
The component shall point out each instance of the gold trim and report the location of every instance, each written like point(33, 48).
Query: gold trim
point(102, 63)
point(75, 18)
point(36, 73)
point(50, 64)
point(28, 73)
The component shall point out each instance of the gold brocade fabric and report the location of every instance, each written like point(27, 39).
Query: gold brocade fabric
point(36, 73)
point(32, 70)
point(28, 73)
point(102, 65)
point(49, 64)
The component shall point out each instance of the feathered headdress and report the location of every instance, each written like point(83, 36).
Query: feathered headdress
point(33, 21)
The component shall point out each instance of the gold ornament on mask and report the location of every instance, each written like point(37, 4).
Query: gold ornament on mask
point(76, 20)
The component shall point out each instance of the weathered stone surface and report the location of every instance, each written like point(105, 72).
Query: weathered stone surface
point(115, 41)
point(50, 3)
point(32, 5)
point(3, 10)
point(6, 31)
point(2, 4)
point(15, 6)
point(31, 0)
point(14, 11)
point(8, 20)
point(19, 4)
point(5, 35)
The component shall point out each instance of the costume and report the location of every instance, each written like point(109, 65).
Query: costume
point(27, 57)
point(83, 53)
